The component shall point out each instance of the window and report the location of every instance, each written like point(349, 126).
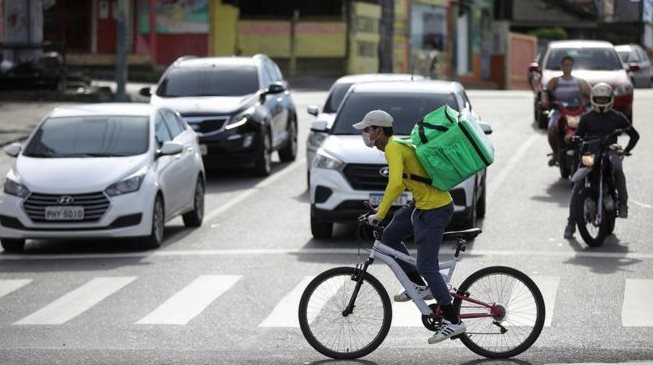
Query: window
point(595, 59)
point(220, 80)
point(161, 131)
point(172, 124)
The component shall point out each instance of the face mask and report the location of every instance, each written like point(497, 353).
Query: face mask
point(367, 140)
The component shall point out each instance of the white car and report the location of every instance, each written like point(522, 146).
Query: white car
point(102, 170)
point(345, 173)
point(336, 93)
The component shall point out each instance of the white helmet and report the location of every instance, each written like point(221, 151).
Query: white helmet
point(602, 90)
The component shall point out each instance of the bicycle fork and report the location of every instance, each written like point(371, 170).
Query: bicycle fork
point(358, 277)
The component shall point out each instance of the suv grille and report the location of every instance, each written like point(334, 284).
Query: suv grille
point(206, 124)
point(365, 176)
point(95, 204)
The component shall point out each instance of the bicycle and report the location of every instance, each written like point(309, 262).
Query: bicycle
point(346, 313)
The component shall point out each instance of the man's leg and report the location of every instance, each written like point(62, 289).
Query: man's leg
point(393, 236)
point(570, 229)
point(553, 134)
point(620, 184)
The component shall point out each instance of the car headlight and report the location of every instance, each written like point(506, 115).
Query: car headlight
point(587, 160)
point(16, 189)
point(623, 90)
point(237, 122)
point(316, 138)
point(325, 162)
point(128, 185)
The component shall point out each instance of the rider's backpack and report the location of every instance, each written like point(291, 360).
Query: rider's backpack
point(450, 146)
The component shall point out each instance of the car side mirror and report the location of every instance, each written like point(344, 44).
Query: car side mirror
point(313, 110)
point(534, 67)
point(633, 67)
point(169, 149)
point(13, 149)
point(275, 88)
point(145, 91)
point(486, 127)
point(319, 126)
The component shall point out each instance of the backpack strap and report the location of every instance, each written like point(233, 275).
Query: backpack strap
point(422, 135)
point(421, 179)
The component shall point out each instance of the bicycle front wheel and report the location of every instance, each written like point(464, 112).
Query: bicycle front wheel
point(514, 321)
point(326, 325)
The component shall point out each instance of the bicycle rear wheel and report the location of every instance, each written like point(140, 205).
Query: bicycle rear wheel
point(332, 332)
point(517, 314)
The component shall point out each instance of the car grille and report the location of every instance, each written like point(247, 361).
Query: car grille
point(95, 205)
point(207, 123)
point(365, 176)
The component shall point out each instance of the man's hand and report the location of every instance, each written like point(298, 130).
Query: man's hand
point(373, 220)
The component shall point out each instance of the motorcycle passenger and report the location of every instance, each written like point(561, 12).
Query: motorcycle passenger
point(425, 218)
point(564, 88)
point(600, 122)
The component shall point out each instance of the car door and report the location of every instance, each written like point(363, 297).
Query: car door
point(171, 182)
point(278, 114)
point(185, 165)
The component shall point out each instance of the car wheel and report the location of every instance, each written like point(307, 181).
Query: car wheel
point(194, 218)
point(263, 164)
point(155, 239)
point(12, 244)
point(289, 152)
point(321, 229)
point(480, 204)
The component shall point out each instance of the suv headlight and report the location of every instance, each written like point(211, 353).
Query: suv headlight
point(16, 189)
point(237, 122)
point(623, 90)
point(127, 185)
point(325, 162)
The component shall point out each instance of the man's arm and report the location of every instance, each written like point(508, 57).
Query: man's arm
point(633, 136)
point(395, 180)
point(550, 86)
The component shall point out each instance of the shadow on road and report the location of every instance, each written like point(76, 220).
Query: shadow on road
point(558, 192)
point(608, 265)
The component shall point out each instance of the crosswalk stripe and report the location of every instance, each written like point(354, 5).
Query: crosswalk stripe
point(191, 300)
point(549, 287)
point(636, 310)
point(77, 301)
point(284, 313)
point(8, 286)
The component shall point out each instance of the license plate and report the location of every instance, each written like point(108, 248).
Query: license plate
point(203, 149)
point(71, 213)
point(375, 199)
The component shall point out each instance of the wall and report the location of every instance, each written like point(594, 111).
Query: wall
point(364, 38)
point(521, 52)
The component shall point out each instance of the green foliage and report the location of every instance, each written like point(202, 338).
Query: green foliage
point(553, 33)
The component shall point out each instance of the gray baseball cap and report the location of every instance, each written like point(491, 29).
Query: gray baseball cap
point(377, 118)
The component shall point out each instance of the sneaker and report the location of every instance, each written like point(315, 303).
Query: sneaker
point(423, 291)
point(553, 161)
point(569, 230)
point(447, 330)
point(623, 211)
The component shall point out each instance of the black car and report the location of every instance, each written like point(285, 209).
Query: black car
point(240, 107)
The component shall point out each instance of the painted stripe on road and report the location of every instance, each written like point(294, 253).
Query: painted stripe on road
point(77, 301)
point(497, 182)
point(284, 313)
point(636, 310)
point(8, 286)
point(191, 300)
point(548, 286)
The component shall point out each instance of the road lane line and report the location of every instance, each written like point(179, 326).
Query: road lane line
point(191, 300)
point(496, 182)
point(636, 310)
point(643, 205)
point(8, 286)
point(77, 301)
point(548, 286)
point(284, 313)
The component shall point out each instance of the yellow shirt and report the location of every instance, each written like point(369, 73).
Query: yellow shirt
point(403, 160)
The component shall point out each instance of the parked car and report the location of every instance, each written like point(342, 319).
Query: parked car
point(336, 93)
point(241, 108)
point(594, 61)
point(638, 64)
point(102, 170)
point(345, 173)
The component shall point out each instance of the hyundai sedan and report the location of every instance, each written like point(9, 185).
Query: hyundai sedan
point(102, 170)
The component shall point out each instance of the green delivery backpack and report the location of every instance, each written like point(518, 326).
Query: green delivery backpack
point(450, 146)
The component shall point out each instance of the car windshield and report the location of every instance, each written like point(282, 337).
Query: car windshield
point(335, 97)
point(624, 55)
point(406, 109)
point(209, 81)
point(603, 59)
point(96, 136)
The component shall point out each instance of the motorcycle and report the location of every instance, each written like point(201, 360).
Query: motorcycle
point(567, 122)
point(596, 203)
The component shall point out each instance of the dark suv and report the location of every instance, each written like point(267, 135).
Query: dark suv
point(240, 107)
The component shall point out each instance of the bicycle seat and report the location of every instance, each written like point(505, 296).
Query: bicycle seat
point(467, 234)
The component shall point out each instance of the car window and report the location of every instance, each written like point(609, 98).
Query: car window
point(642, 55)
point(406, 109)
point(266, 76)
point(222, 80)
point(605, 59)
point(172, 124)
point(625, 56)
point(161, 132)
point(269, 68)
point(91, 136)
point(335, 97)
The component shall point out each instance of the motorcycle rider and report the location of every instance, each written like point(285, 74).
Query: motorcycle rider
point(600, 122)
point(425, 219)
point(564, 88)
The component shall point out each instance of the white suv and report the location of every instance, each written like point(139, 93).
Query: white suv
point(345, 172)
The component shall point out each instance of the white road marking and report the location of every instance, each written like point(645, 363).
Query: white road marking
point(643, 205)
point(636, 310)
point(548, 286)
point(496, 182)
point(77, 301)
point(284, 313)
point(191, 300)
point(8, 286)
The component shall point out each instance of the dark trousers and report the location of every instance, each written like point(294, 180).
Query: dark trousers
point(427, 227)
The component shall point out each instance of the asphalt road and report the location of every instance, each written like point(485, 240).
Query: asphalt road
point(226, 293)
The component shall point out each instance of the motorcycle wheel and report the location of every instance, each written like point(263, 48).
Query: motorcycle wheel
point(592, 234)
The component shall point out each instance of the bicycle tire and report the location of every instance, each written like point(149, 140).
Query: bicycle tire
point(484, 285)
point(321, 316)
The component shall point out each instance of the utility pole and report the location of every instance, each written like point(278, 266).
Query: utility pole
point(121, 50)
point(387, 35)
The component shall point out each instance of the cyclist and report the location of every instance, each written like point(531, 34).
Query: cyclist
point(601, 121)
point(425, 218)
point(564, 88)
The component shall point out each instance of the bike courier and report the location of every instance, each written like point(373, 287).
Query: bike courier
point(605, 123)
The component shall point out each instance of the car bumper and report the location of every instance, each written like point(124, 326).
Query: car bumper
point(123, 218)
point(230, 149)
